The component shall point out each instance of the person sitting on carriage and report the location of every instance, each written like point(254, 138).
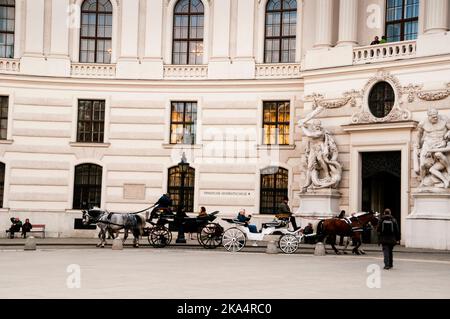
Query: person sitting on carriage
point(284, 212)
point(244, 219)
point(202, 213)
point(164, 203)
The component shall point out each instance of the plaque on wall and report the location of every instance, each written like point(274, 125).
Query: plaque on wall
point(134, 191)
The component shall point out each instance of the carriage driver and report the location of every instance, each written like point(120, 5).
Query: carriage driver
point(164, 203)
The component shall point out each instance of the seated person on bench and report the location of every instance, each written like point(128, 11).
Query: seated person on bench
point(26, 228)
point(15, 227)
point(244, 219)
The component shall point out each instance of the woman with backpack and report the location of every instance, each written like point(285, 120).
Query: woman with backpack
point(388, 236)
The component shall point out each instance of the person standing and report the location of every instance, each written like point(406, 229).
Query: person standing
point(388, 236)
point(284, 210)
point(375, 41)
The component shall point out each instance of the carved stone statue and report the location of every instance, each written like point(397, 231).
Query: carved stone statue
point(431, 151)
point(322, 167)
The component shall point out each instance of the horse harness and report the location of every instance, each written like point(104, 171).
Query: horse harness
point(349, 222)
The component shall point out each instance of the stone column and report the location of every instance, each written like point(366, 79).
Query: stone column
point(324, 23)
point(436, 16)
point(348, 22)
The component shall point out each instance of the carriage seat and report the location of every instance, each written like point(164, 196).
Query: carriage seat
point(278, 223)
point(234, 221)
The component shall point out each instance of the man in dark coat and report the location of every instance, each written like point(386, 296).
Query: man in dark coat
point(285, 211)
point(15, 227)
point(388, 236)
point(164, 202)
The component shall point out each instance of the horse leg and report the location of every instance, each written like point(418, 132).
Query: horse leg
point(136, 239)
point(347, 242)
point(357, 239)
point(333, 245)
point(103, 239)
point(125, 235)
point(100, 236)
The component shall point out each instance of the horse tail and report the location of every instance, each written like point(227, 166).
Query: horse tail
point(320, 231)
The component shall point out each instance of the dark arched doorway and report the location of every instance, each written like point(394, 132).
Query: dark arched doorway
point(381, 183)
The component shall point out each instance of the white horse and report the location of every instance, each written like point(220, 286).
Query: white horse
point(114, 222)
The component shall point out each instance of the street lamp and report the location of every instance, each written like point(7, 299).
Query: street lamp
point(183, 167)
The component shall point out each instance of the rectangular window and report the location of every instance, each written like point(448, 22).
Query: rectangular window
point(183, 122)
point(402, 19)
point(91, 121)
point(4, 101)
point(276, 119)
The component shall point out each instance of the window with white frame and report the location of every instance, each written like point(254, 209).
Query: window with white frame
point(280, 31)
point(96, 31)
point(188, 30)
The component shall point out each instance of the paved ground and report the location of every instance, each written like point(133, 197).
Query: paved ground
point(199, 273)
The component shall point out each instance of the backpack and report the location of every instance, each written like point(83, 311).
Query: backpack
point(387, 227)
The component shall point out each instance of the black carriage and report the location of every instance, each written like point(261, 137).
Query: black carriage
point(164, 221)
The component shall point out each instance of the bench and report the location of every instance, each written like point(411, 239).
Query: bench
point(37, 228)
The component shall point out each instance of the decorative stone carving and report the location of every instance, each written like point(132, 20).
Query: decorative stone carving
point(429, 96)
point(431, 152)
point(397, 113)
point(412, 91)
point(320, 160)
point(434, 96)
point(318, 100)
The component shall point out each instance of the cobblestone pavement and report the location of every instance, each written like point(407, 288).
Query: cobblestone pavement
point(200, 273)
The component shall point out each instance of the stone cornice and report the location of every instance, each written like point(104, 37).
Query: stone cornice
point(21, 81)
point(410, 125)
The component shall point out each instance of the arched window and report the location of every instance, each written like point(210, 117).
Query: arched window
point(96, 31)
point(2, 182)
point(175, 186)
point(381, 99)
point(7, 21)
point(274, 186)
point(87, 186)
point(402, 20)
point(188, 23)
point(280, 31)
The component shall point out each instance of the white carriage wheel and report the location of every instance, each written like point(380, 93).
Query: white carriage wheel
point(288, 243)
point(233, 239)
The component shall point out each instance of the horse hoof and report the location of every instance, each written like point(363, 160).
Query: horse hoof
point(103, 246)
point(345, 253)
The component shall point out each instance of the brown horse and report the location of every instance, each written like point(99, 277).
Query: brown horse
point(349, 227)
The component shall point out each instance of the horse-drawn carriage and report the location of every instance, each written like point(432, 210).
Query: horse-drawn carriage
point(162, 222)
point(209, 234)
point(235, 238)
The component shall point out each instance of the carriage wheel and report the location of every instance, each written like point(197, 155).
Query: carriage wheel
point(288, 244)
point(233, 239)
point(159, 237)
point(210, 236)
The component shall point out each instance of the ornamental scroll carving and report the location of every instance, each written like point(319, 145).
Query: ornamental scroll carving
point(319, 101)
point(429, 96)
point(397, 114)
